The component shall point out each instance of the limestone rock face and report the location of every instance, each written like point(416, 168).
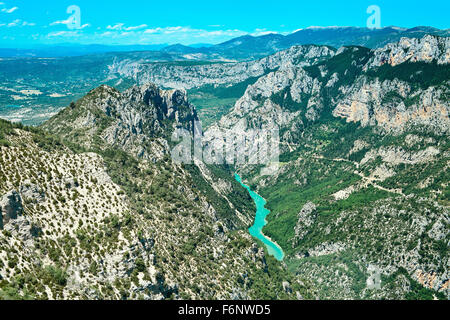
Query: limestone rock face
point(10, 207)
point(394, 104)
point(427, 49)
point(21, 228)
point(366, 102)
point(132, 121)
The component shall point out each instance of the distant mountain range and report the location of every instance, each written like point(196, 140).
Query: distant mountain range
point(246, 47)
point(72, 50)
point(249, 47)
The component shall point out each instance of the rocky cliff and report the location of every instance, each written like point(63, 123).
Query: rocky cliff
point(393, 87)
point(127, 120)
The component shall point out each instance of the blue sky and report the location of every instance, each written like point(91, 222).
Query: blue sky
point(29, 23)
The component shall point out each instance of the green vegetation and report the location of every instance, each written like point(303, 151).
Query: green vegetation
point(284, 100)
point(342, 265)
point(418, 74)
point(14, 291)
point(416, 290)
point(44, 140)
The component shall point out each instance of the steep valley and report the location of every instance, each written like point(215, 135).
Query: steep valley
point(93, 206)
point(90, 213)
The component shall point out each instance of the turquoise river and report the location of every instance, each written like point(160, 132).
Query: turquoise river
point(260, 221)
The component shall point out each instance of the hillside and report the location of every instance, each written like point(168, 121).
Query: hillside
point(100, 211)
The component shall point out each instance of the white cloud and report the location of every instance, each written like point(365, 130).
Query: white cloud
point(121, 26)
point(117, 26)
point(132, 28)
point(63, 34)
point(185, 35)
point(120, 33)
point(11, 10)
point(262, 32)
point(68, 21)
point(15, 23)
point(107, 34)
point(28, 24)
point(18, 23)
point(172, 34)
point(193, 32)
point(324, 27)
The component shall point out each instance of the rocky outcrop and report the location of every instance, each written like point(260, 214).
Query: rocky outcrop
point(306, 218)
point(132, 121)
point(395, 104)
point(432, 280)
point(326, 249)
point(31, 192)
point(24, 230)
point(10, 207)
point(398, 155)
point(427, 49)
point(261, 107)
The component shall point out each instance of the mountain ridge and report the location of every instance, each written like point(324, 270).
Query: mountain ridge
point(250, 47)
